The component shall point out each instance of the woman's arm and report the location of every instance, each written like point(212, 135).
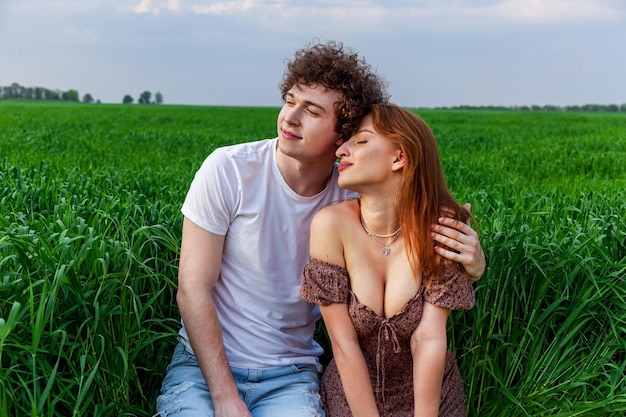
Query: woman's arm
point(350, 360)
point(429, 344)
point(327, 245)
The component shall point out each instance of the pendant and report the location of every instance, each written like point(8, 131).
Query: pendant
point(386, 250)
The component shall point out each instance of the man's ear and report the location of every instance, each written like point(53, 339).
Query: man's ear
point(399, 160)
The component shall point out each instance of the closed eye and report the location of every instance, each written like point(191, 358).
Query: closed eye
point(312, 111)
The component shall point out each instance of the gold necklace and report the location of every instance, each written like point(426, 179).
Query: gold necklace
point(393, 236)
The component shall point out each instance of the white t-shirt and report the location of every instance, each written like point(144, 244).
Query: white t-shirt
point(239, 192)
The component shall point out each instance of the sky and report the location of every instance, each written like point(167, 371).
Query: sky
point(432, 53)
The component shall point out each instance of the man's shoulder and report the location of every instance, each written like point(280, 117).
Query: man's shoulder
point(247, 148)
point(237, 156)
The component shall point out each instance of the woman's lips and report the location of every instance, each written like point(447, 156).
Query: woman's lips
point(343, 165)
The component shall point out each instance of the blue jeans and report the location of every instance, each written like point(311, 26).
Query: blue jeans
point(290, 391)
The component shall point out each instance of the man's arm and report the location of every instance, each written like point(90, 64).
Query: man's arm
point(200, 263)
point(464, 242)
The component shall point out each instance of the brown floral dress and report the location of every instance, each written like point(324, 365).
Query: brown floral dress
point(386, 342)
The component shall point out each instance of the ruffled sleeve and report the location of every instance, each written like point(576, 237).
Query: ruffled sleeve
point(324, 283)
point(453, 290)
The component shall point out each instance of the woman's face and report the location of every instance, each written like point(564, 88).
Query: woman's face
point(367, 159)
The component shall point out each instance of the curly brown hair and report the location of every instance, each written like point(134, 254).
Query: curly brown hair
point(335, 67)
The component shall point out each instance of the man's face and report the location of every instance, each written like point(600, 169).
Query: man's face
point(306, 123)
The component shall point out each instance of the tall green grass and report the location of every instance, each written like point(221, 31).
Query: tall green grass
point(90, 230)
point(548, 334)
point(88, 273)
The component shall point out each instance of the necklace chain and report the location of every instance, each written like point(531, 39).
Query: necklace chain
point(393, 236)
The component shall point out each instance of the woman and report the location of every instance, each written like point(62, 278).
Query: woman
point(384, 293)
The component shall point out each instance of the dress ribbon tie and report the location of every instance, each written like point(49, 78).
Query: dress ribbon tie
point(386, 332)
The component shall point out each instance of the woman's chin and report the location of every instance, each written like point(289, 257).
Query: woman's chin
point(346, 185)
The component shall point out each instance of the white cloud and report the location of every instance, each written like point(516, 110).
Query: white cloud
point(227, 7)
point(176, 6)
point(478, 13)
point(173, 5)
point(148, 6)
point(377, 16)
point(546, 11)
point(428, 12)
point(142, 7)
point(59, 7)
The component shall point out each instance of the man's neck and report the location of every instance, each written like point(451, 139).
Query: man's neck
point(305, 179)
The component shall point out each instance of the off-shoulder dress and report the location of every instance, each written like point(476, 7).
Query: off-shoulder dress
point(385, 342)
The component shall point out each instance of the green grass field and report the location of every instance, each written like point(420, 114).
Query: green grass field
point(90, 223)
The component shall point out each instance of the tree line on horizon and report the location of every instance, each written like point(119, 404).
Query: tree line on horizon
point(547, 108)
point(17, 91)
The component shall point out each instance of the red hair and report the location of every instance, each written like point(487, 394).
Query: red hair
point(423, 195)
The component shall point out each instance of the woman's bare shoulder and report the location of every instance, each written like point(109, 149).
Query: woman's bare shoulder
point(334, 215)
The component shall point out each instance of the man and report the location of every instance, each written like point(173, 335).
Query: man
point(247, 345)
